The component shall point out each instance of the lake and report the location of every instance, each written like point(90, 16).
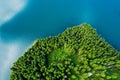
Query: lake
point(42, 18)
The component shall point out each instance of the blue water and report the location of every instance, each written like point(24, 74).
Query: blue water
point(42, 18)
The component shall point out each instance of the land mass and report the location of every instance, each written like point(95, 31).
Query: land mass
point(78, 53)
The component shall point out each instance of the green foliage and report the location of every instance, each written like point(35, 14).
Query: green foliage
point(79, 53)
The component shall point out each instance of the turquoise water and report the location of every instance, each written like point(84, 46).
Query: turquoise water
point(42, 18)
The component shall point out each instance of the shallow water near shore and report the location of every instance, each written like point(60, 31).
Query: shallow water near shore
point(42, 18)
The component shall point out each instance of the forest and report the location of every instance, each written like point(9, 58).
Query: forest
point(79, 53)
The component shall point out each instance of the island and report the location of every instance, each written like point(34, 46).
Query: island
point(78, 53)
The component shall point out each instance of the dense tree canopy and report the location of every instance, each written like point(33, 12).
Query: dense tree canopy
point(79, 53)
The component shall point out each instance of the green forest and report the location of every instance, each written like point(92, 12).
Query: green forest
point(78, 53)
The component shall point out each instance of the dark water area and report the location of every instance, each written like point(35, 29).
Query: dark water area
point(42, 18)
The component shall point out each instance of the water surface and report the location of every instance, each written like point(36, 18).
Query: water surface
point(42, 18)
